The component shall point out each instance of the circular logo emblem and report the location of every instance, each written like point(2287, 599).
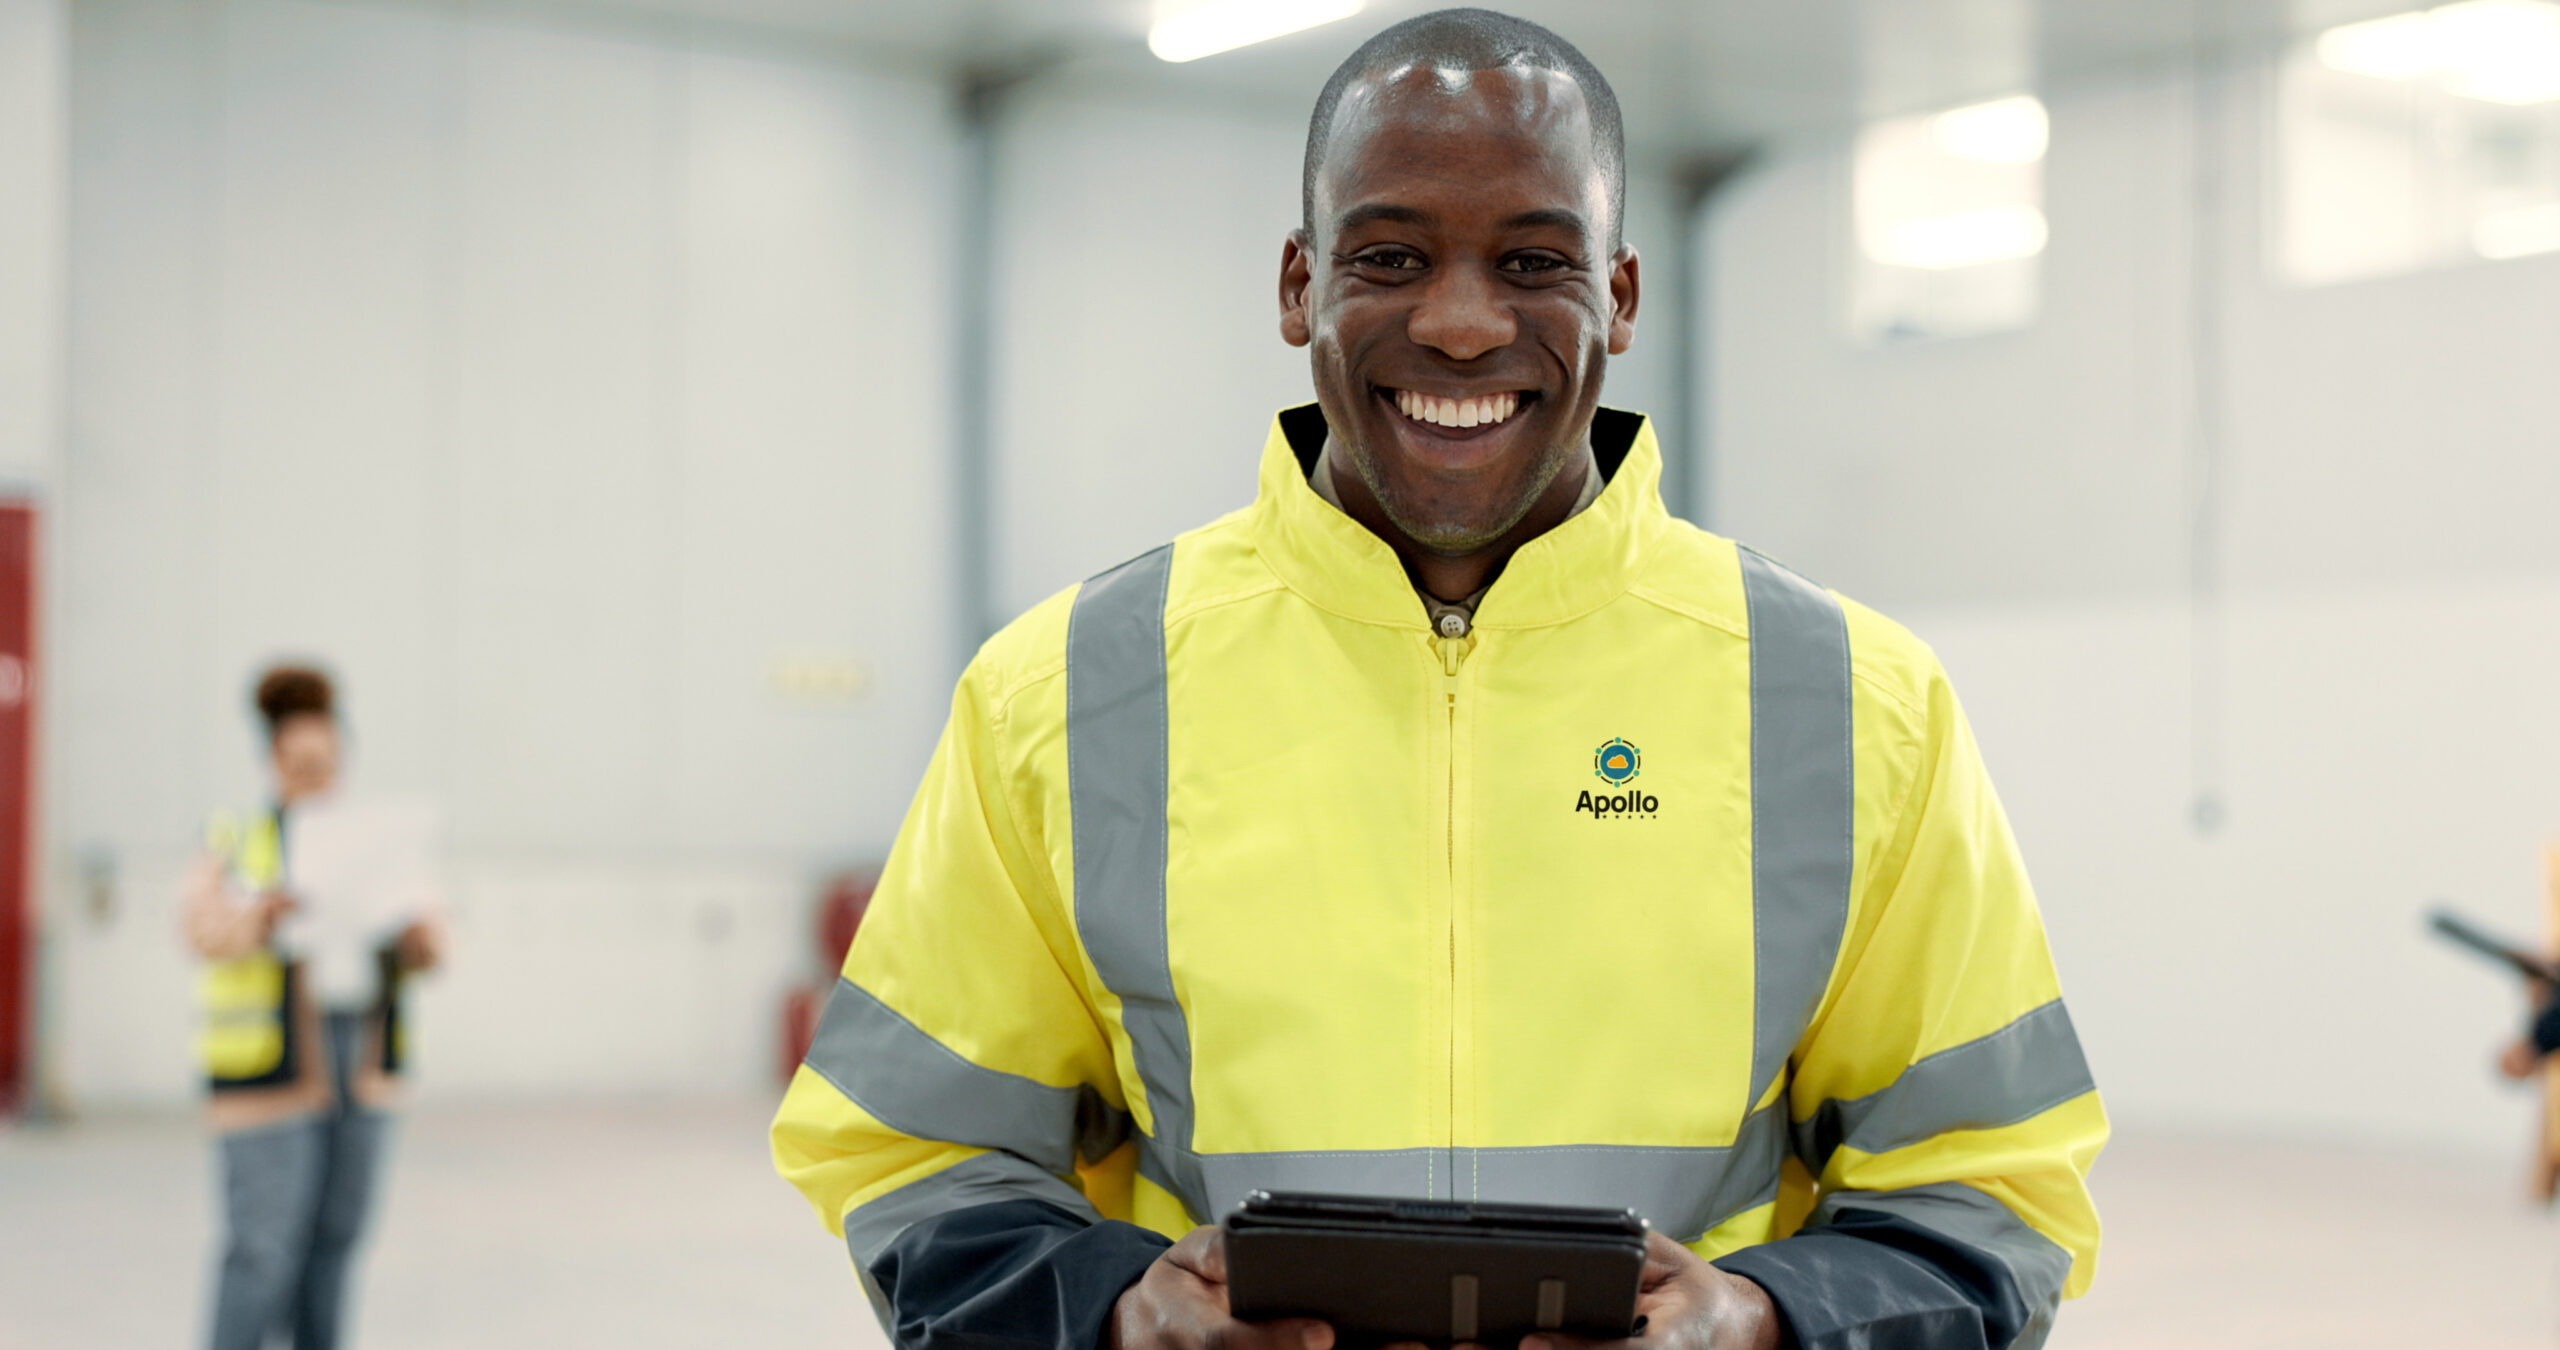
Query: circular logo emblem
point(1616, 762)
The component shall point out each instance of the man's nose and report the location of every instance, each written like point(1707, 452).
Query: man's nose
point(1462, 315)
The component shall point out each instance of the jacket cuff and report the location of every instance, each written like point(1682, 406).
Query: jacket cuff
point(1872, 1279)
point(1014, 1275)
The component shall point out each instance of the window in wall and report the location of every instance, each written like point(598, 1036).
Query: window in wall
point(1949, 211)
point(2419, 140)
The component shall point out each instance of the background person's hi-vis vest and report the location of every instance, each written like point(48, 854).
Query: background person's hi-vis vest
point(1676, 884)
point(245, 1029)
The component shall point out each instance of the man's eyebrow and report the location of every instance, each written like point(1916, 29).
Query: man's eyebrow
point(1379, 211)
point(1552, 217)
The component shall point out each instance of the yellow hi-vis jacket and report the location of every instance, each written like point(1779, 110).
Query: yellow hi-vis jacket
point(1676, 884)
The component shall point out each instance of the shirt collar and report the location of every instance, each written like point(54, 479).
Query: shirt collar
point(1582, 563)
point(1451, 619)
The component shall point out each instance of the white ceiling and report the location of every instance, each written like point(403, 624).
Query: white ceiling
point(1695, 76)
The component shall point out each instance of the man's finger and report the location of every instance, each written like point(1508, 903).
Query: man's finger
point(1287, 1333)
point(1202, 1252)
point(1557, 1340)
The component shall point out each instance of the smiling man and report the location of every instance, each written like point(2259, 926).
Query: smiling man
point(1454, 823)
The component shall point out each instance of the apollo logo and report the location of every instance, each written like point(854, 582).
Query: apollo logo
point(1617, 764)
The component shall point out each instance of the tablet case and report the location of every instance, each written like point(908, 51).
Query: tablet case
point(1438, 1271)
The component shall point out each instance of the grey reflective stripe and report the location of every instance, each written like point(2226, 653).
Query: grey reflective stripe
point(1682, 1191)
point(1802, 817)
point(2017, 1073)
point(1116, 766)
point(1959, 1213)
point(918, 1086)
point(984, 1179)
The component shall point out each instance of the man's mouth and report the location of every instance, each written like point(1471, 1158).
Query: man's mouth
point(1458, 414)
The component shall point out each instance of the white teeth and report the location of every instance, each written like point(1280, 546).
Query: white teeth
point(1457, 412)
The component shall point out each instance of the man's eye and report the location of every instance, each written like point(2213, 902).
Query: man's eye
point(1530, 263)
point(1393, 259)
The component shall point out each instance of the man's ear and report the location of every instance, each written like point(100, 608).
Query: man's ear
point(1297, 273)
point(1623, 289)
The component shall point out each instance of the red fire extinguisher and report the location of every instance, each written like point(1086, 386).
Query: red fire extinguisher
point(838, 917)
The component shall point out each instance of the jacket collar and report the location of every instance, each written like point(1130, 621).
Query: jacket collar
point(1334, 562)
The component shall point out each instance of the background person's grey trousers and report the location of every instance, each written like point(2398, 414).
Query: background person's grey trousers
point(295, 1198)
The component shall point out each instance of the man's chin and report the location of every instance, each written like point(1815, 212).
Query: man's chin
point(1443, 536)
point(1454, 546)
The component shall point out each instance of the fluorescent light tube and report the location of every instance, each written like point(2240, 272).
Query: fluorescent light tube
point(1966, 239)
point(1224, 25)
point(2518, 233)
point(2005, 131)
point(2497, 51)
point(2401, 47)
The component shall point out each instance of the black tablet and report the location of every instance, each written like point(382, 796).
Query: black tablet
point(1437, 1271)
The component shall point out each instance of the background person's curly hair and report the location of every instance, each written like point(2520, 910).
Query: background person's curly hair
point(286, 692)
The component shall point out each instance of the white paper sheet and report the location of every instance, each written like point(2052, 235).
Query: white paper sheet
point(360, 870)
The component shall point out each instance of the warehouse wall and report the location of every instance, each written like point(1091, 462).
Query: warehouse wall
point(34, 55)
point(2375, 690)
point(581, 398)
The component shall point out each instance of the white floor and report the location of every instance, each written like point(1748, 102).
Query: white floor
point(2269, 1245)
point(558, 1227)
point(660, 1225)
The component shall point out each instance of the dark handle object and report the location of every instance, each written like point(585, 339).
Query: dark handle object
point(2463, 933)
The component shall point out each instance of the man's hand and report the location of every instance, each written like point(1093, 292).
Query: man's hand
point(1685, 1304)
point(2519, 1059)
point(1181, 1304)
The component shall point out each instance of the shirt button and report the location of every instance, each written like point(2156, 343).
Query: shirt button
point(1453, 624)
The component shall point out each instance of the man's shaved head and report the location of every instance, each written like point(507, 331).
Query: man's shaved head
point(1475, 40)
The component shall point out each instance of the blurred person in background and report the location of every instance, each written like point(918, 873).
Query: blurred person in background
point(300, 1086)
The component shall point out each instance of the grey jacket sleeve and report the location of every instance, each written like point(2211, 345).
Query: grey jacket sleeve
point(1014, 1275)
point(1880, 1272)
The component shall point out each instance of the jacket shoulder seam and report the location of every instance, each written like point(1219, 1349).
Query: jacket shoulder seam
point(1194, 608)
point(1687, 610)
point(1051, 666)
point(1887, 689)
point(1000, 704)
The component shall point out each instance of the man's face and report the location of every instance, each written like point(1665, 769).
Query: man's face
point(1460, 271)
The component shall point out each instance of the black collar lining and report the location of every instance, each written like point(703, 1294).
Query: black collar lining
point(1613, 436)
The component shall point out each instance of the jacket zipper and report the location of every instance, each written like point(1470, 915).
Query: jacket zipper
point(1452, 652)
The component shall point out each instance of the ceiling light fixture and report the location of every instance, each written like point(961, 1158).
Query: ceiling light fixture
point(2003, 131)
point(2497, 51)
point(1966, 239)
point(2400, 47)
point(2518, 233)
point(1224, 25)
